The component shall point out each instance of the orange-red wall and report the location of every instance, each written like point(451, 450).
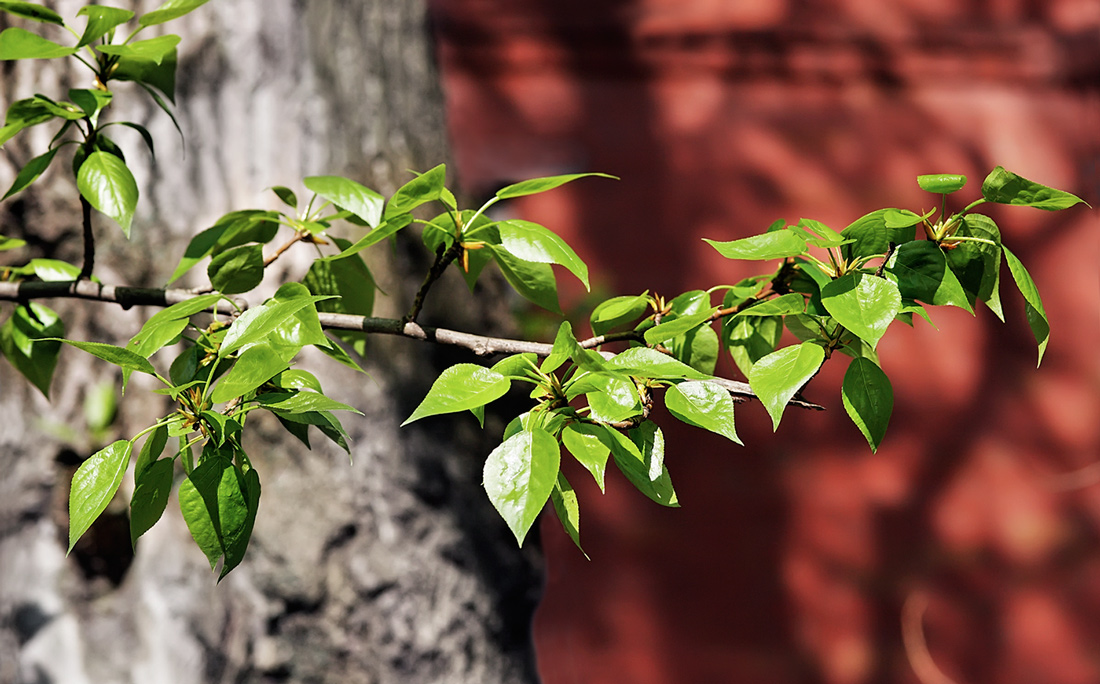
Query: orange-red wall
point(794, 558)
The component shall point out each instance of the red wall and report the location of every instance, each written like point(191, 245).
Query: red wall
point(794, 558)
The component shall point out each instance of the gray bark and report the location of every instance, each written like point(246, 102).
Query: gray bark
point(392, 569)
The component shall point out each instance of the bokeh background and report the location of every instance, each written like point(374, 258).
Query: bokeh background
point(967, 548)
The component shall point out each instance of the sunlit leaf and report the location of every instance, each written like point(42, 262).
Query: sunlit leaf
point(519, 475)
point(94, 485)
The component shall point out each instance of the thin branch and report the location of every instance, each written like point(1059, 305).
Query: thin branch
point(89, 239)
point(481, 345)
point(443, 259)
point(298, 237)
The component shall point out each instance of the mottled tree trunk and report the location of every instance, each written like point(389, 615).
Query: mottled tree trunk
point(392, 569)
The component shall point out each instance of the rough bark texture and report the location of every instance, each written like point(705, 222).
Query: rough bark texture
point(393, 569)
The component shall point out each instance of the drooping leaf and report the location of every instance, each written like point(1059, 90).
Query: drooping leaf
point(519, 475)
point(534, 282)
point(35, 360)
point(779, 244)
point(922, 273)
point(32, 11)
point(123, 358)
point(703, 405)
point(350, 280)
point(301, 402)
point(568, 509)
point(777, 377)
point(151, 449)
point(17, 43)
point(30, 172)
point(214, 506)
point(1004, 187)
point(942, 183)
point(149, 74)
point(533, 186)
point(349, 195)
point(977, 265)
point(255, 366)
point(151, 490)
point(862, 303)
point(237, 541)
point(641, 457)
point(751, 338)
point(532, 242)
point(23, 114)
point(1033, 304)
point(94, 485)
point(237, 270)
point(460, 388)
point(868, 398)
point(107, 184)
point(101, 20)
point(586, 443)
point(173, 9)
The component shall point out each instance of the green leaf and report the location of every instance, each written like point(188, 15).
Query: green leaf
point(150, 74)
point(286, 195)
point(903, 218)
point(868, 399)
point(641, 457)
point(301, 402)
point(536, 185)
point(386, 229)
point(23, 114)
point(777, 377)
point(237, 270)
point(612, 399)
point(519, 476)
point(871, 236)
point(255, 366)
point(426, 187)
point(586, 443)
point(324, 421)
point(532, 242)
point(644, 362)
point(977, 265)
point(256, 324)
point(17, 43)
point(565, 348)
point(703, 405)
point(922, 273)
point(535, 282)
point(751, 338)
point(775, 245)
point(460, 388)
point(94, 485)
point(1004, 187)
point(123, 358)
point(33, 11)
point(100, 21)
point(109, 186)
point(217, 512)
point(151, 449)
point(862, 303)
point(151, 490)
point(817, 234)
point(7, 243)
point(173, 9)
point(52, 270)
point(30, 172)
point(348, 279)
point(516, 365)
point(943, 183)
point(348, 195)
point(233, 229)
point(154, 50)
point(697, 348)
point(783, 305)
point(676, 327)
point(237, 541)
point(568, 509)
point(92, 102)
point(19, 343)
point(617, 311)
point(1033, 304)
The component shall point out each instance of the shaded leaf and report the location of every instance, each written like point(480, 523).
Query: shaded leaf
point(568, 509)
point(1033, 304)
point(152, 487)
point(868, 399)
point(30, 172)
point(255, 366)
point(922, 273)
point(237, 270)
point(19, 343)
point(33, 11)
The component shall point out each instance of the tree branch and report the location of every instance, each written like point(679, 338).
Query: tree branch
point(443, 259)
point(481, 345)
point(89, 239)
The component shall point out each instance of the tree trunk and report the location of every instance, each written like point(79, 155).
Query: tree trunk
point(392, 569)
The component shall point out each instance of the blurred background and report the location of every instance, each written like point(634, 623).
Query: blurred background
point(966, 549)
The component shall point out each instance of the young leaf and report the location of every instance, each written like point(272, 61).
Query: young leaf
point(233, 229)
point(775, 245)
point(1033, 304)
point(150, 75)
point(703, 405)
point(151, 449)
point(123, 358)
point(17, 43)
point(922, 273)
point(568, 509)
point(941, 183)
point(519, 475)
point(862, 303)
point(94, 485)
point(237, 270)
point(641, 457)
point(612, 399)
point(286, 195)
point(1004, 187)
point(386, 229)
point(7, 243)
point(460, 388)
point(109, 186)
point(536, 185)
point(532, 242)
point(32, 11)
point(617, 311)
point(173, 9)
point(871, 236)
point(697, 348)
point(777, 377)
point(30, 172)
point(586, 443)
point(347, 194)
point(676, 327)
point(301, 402)
point(255, 366)
point(19, 343)
point(426, 187)
point(644, 362)
point(151, 489)
point(256, 324)
point(868, 399)
point(783, 305)
point(100, 21)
